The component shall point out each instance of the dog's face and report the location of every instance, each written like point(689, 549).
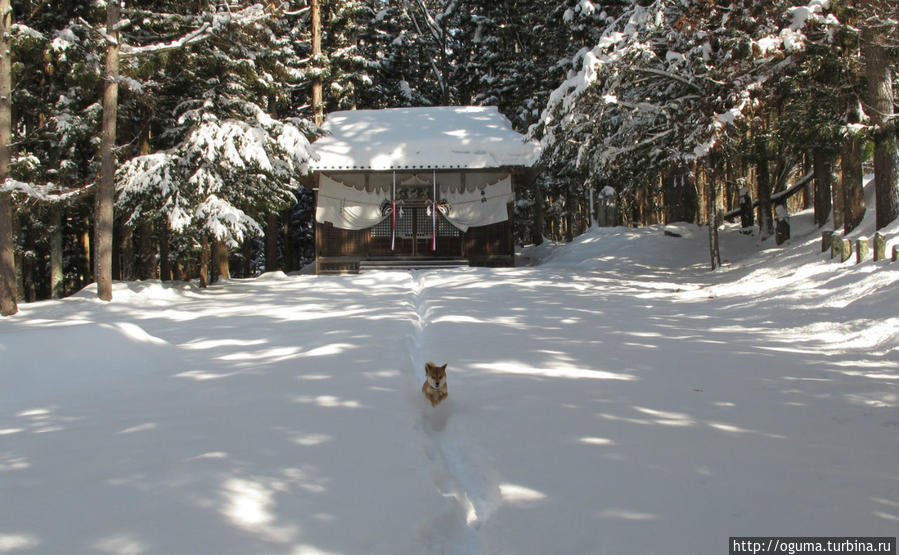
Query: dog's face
point(436, 374)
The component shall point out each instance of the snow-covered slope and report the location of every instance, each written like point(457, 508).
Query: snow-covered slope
point(617, 399)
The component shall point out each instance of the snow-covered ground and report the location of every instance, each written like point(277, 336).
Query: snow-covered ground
point(617, 399)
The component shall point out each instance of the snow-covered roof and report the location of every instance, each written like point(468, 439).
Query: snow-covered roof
point(447, 137)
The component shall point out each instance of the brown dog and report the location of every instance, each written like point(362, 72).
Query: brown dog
point(434, 387)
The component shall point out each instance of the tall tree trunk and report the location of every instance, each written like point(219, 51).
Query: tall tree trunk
point(222, 261)
point(823, 169)
point(853, 174)
point(105, 195)
point(317, 98)
point(292, 256)
point(87, 252)
point(146, 257)
point(56, 271)
point(537, 232)
point(29, 291)
point(204, 261)
point(763, 177)
point(165, 265)
point(145, 260)
point(711, 195)
point(881, 112)
point(272, 234)
point(8, 305)
point(126, 249)
point(808, 192)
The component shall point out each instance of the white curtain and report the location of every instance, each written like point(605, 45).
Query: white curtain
point(347, 207)
point(479, 207)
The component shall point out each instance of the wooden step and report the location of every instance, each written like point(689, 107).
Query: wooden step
point(411, 264)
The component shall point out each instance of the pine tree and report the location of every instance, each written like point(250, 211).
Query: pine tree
point(222, 160)
point(667, 85)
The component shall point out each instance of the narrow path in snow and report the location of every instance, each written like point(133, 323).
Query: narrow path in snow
point(457, 471)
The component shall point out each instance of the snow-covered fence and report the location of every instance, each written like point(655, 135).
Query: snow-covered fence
point(844, 247)
point(840, 246)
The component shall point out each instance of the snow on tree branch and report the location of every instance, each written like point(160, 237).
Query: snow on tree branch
point(49, 193)
point(666, 82)
point(220, 21)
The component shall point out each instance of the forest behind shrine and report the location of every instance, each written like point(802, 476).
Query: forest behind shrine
point(170, 139)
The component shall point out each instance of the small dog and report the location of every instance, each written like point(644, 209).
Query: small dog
point(434, 387)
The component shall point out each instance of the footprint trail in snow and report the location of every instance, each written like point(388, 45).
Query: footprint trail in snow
point(459, 470)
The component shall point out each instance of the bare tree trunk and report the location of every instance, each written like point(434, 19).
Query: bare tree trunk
point(712, 210)
point(766, 214)
point(105, 195)
point(537, 231)
point(86, 274)
point(881, 112)
point(222, 262)
point(317, 98)
point(56, 270)
point(272, 234)
point(823, 168)
point(8, 305)
point(853, 174)
point(808, 192)
point(165, 265)
point(146, 257)
point(126, 249)
point(292, 257)
point(204, 262)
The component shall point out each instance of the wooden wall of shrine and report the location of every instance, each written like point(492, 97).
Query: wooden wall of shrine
point(342, 251)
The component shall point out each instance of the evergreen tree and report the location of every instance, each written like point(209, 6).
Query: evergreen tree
point(221, 161)
point(667, 85)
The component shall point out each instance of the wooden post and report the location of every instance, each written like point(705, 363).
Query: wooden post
point(880, 247)
point(861, 249)
point(845, 249)
point(782, 224)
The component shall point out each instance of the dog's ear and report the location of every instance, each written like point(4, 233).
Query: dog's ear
point(443, 367)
